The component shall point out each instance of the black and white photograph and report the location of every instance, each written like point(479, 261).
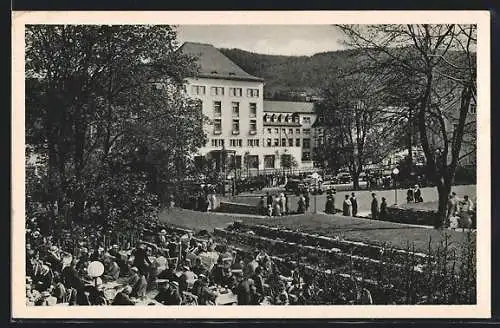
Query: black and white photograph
point(289, 167)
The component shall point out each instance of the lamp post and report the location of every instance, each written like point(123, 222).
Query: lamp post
point(395, 172)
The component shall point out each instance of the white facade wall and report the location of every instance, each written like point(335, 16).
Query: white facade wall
point(240, 142)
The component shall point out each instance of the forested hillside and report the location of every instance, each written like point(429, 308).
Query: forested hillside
point(289, 76)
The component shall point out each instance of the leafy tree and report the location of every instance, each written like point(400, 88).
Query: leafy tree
point(288, 162)
point(103, 103)
point(437, 65)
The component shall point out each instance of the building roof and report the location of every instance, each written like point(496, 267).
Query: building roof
point(214, 64)
point(276, 106)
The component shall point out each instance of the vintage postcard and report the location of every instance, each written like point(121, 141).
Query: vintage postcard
point(329, 164)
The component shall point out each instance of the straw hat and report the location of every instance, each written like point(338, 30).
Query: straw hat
point(163, 232)
point(134, 269)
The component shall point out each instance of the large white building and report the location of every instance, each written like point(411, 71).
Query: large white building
point(255, 132)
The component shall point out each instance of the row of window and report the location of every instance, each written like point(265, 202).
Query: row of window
point(290, 142)
point(284, 142)
point(200, 90)
point(235, 142)
point(235, 126)
point(235, 109)
point(286, 118)
point(288, 131)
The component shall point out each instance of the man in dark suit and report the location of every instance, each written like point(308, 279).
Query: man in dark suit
point(122, 298)
point(374, 207)
point(141, 259)
point(243, 290)
point(258, 280)
point(354, 203)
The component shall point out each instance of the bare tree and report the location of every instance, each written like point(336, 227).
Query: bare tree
point(351, 117)
point(437, 65)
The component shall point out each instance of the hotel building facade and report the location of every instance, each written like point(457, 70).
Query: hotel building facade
point(257, 133)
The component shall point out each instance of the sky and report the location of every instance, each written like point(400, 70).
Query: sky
point(290, 40)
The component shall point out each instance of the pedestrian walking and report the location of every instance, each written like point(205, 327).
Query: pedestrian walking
point(329, 208)
point(307, 199)
point(282, 202)
point(277, 209)
point(269, 199)
point(211, 199)
point(417, 194)
point(409, 196)
point(269, 210)
point(383, 209)
point(374, 207)
point(287, 208)
point(301, 204)
point(354, 203)
point(466, 211)
point(334, 193)
point(451, 209)
point(347, 206)
point(262, 206)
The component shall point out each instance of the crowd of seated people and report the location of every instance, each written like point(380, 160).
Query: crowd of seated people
point(168, 269)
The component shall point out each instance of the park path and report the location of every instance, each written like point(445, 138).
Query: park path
point(364, 197)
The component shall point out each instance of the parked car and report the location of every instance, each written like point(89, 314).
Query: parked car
point(316, 189)
point(344, 177)
point(295, 186)
point(328, 185)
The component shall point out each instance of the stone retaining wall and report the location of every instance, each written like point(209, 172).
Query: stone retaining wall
point(227, 207)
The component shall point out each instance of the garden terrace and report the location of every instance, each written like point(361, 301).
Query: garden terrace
point(346, 246)
point(379, 233)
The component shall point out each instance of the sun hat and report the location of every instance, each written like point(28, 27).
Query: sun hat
point(134, 269)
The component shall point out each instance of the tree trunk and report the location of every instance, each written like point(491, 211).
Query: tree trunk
point(444, 189)
point(410, 138)
point(355, 181)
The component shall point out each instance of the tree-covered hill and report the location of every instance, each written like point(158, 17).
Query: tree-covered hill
point(286, 76)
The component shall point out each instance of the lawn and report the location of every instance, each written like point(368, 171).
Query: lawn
point(375, 232)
